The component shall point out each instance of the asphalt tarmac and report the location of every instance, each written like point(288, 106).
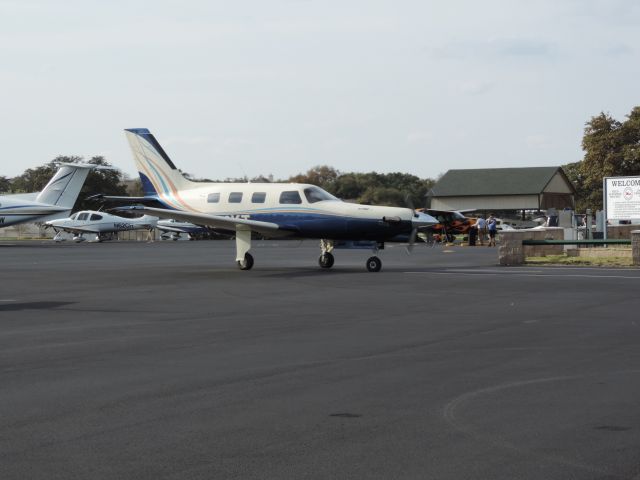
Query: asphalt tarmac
point(164, 361)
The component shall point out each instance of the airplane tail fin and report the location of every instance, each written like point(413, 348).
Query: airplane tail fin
point(65, 185)
point(157, 172)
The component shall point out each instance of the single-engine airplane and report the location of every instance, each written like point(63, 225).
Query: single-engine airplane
point(54, 201)
point(288, 210)
point(102, 224)
point(450, 222)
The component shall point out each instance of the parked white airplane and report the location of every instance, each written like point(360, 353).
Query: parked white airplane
point(54, 201)
point(172, 230)
point(102, 224)
point(271, 209)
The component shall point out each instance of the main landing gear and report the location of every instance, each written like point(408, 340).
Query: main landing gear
point(326, 259)
point(374, 264)
point(243, 243)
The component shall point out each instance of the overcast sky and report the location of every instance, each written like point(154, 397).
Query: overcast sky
point(278, 86)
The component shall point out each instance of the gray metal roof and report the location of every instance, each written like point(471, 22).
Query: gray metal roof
point(496, 181)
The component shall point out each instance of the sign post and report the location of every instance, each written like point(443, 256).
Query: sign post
point(621, 199)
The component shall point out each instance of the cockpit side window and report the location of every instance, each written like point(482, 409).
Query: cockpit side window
point(213, 197)
point(316, 194)
point(83, 216)
point(290, 197)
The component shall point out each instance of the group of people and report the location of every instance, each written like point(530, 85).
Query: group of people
point(484, 227)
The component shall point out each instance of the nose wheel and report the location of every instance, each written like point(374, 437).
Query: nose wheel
point(374, 264)
point(326, 260)
point(246, 263)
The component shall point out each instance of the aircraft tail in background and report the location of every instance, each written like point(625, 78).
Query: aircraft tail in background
point(63, 189)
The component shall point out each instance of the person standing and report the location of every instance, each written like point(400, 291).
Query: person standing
point(492, 226)
point(481, 225)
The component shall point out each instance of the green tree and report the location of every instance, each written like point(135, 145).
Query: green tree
point(321, 175)
point(612, 149)
point(5, 184)
point(394, 189)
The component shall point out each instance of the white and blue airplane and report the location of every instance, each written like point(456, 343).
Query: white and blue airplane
point(102, 224)
point(274, 210)
point(54, 201)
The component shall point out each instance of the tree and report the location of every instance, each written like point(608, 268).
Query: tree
point(612, 148)
point(5, 184)
point(394, 189)
point(106, 181)
point(321, 175)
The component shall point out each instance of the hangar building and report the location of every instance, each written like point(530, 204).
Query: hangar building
point(502, 189)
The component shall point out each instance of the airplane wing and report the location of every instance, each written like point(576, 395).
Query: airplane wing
point(216, 221)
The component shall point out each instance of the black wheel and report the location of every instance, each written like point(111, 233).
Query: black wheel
point(374, 264)
point(247, 263)
point(326, 260)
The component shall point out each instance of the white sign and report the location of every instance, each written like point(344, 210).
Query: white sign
point(622, 198)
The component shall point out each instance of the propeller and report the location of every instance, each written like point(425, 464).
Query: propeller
point(418, 220)
point(414, 231)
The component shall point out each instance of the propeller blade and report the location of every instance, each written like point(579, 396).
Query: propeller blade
point(412, 240)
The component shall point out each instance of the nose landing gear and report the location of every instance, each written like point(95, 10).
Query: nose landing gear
point(326, 260)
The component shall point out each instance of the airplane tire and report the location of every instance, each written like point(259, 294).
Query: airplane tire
point(326, 260)
point(374, 264)
point(247, 263)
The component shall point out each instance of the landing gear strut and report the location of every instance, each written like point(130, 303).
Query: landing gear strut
point(243, 243)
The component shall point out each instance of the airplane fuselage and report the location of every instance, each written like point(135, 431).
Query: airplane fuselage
point(300, 210)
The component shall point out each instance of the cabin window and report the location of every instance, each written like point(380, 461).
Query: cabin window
point(258, 197)
point(235, 197)
point(316, 194)
point(83, 216)
point(290, 197)
point(95, 216)
point(213, 197)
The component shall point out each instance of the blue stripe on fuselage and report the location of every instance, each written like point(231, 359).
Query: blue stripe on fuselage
point(334, 227)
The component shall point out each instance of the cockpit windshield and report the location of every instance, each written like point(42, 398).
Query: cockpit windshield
point(316, 194)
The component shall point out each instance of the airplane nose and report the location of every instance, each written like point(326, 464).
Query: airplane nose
point(421, 219)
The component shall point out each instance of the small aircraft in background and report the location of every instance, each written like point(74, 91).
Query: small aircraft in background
point(54, 201)
point(450, 222)
point(273, 210)
point(173, 229)
point(102, 224)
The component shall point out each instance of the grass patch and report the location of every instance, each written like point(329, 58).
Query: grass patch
point(585, 261)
